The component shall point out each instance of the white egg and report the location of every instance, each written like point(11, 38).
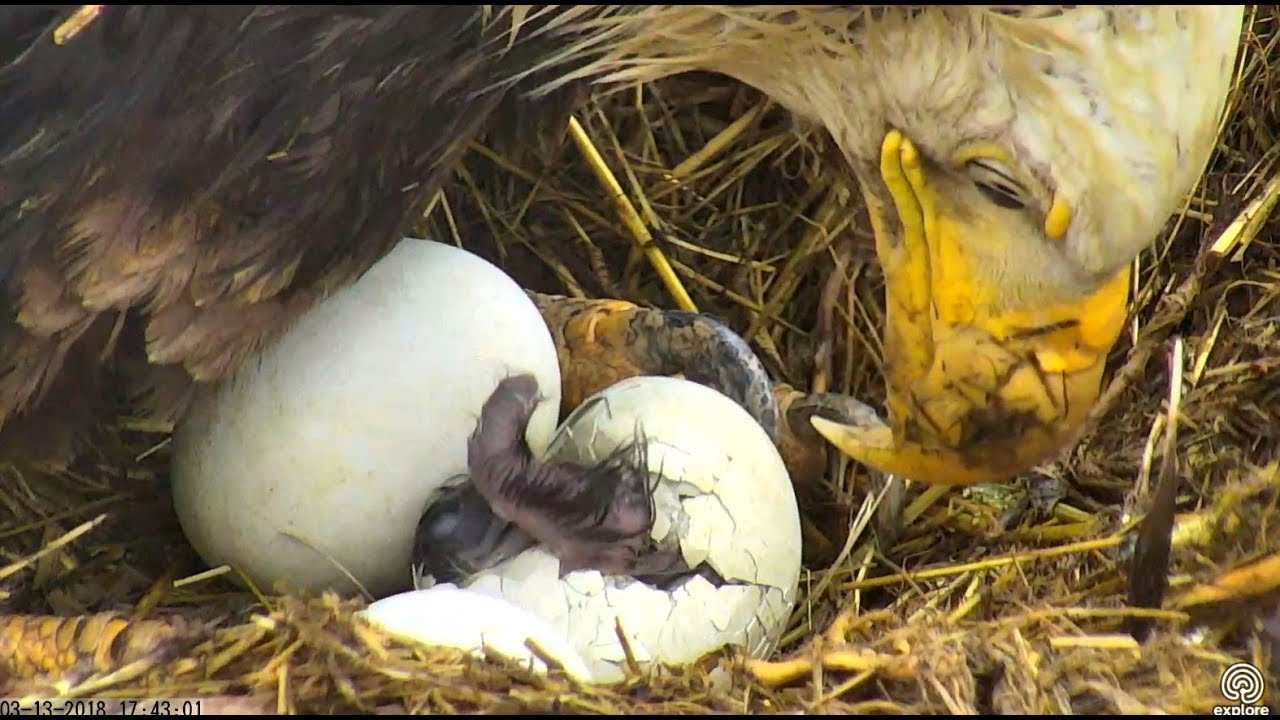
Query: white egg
point(446, 616)
point(318, 456)
point(726, 495)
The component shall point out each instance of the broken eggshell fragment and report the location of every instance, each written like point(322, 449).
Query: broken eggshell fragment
point(724, 498)
point(448, 616)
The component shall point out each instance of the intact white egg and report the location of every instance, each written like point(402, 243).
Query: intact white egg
point(318, 456)
point(724, 493)
point(447, 616)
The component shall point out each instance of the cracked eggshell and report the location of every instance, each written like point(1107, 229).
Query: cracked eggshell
point(448, 616)
point(327, 446)
point(725, 494)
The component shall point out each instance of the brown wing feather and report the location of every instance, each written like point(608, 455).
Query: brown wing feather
point(214, 170)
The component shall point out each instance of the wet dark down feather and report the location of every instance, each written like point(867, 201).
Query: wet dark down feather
point(591, 516)
point(178, 182)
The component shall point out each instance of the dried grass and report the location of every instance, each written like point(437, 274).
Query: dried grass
point(1008, 599)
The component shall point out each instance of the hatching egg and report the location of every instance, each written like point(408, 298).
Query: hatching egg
point(447, 616)
point(723, 493)
point(316, 458)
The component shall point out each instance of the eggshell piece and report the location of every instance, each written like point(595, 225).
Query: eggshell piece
point(726, 489)
point(448, 616)
point(324, 449)
point(673, 628)
point(725, 494)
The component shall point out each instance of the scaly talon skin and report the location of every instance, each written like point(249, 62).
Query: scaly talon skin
point(602, 342)
point(980, 387)
point(52, 647)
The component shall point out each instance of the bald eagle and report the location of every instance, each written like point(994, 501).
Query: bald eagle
point(178, 182)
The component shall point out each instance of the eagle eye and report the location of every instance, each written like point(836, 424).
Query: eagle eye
point(996, 183)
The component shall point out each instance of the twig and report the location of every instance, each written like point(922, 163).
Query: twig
point(635, 225)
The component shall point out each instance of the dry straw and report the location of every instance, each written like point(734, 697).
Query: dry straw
point(697, 192)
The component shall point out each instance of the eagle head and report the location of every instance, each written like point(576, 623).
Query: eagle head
point(1014, 161)
point(1020, 162)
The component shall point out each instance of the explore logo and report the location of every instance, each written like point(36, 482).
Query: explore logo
point(1242, 684)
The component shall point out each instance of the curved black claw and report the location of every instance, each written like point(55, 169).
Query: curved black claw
point(601, 342)
point(843, 409)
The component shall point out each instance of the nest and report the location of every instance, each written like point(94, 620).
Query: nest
point(1028, 597)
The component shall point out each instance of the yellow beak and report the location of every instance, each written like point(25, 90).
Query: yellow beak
point(974, 394)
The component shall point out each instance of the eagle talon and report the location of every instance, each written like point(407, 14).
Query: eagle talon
point(602, 342)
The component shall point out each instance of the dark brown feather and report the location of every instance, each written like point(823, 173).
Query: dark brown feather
point(214, 170)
